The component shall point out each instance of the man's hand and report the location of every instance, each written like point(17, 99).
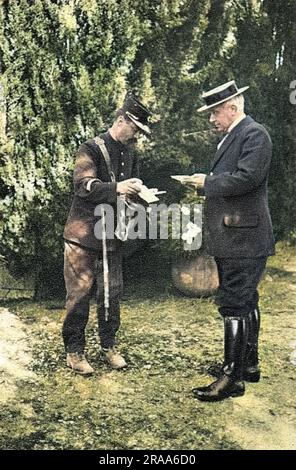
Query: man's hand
point(129, 187)
point(197, 180)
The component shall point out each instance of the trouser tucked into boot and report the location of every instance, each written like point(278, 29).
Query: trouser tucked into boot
point(229, 384)
point(238, 296)
point(251, 372)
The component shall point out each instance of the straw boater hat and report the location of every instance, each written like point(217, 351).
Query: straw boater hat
point(137, 112)
point(220, 94)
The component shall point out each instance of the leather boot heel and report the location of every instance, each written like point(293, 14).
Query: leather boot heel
point(250, 375)
point(238, 389)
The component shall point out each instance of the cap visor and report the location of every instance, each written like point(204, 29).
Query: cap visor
point(141, 126)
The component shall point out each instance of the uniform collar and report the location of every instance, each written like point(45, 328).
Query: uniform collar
point(114, 142)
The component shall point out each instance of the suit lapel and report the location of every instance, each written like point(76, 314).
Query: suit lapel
point(228, 141)
point(221, 150)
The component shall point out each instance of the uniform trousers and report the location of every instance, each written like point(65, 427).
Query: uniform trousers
point(83, 273)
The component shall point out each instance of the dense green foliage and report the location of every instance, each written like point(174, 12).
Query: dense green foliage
point(268, 66)
point(66, 65)
point(62, 75)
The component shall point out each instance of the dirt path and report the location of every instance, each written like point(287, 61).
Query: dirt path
point(265, 418)
point(15, 355)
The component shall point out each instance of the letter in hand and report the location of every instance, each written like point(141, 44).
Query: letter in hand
point(129, 187)
point(196, 180)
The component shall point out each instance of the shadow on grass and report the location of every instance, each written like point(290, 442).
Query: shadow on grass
point(24, 442)
point(277, 272)
point(146, 273)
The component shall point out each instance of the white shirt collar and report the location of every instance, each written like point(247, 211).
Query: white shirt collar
point(235, 123)
point(230, 128)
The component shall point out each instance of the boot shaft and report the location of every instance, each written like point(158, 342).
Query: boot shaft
point(252, 346)
point(235, 345)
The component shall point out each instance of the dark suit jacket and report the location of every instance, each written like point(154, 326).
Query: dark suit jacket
point(93, 186)
point(237, 218)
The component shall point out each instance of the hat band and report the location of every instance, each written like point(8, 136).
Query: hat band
point(143, 120)
point(220, 96)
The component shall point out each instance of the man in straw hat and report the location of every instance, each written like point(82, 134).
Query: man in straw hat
point(105, 169)
point(239, 234)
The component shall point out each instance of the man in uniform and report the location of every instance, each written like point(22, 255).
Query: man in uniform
point(239, 234)
point(105, 169)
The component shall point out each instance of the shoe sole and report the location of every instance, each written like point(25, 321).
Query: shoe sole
point(237, 394)
point(116, 367)
point(79, 372)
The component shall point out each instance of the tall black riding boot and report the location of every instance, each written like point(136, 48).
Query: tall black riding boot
point(252, 371)
point(216, 370)
point(229, 384)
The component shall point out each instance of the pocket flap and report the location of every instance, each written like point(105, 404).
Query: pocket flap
point(245, 220)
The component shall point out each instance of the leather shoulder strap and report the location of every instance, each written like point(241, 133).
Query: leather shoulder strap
point(101, 144)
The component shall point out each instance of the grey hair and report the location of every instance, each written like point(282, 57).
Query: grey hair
point(238, 101)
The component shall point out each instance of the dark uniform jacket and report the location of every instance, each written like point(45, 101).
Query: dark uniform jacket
point(93, 186)
point(237, 218)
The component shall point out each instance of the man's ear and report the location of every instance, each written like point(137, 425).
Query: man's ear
point(120, 119)
point(234, 108)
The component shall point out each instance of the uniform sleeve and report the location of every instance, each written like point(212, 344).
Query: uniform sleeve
point(87, 184)
point(252, 167)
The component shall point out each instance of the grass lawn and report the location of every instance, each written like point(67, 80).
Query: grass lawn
point(169, 341)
